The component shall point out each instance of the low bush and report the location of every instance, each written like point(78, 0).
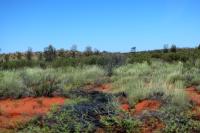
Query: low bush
point(44, 82)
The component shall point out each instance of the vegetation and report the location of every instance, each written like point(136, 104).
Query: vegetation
point(160, 75)
point(44, 82)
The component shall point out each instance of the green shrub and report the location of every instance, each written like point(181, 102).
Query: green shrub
point(177, 120)
point(44, 82)
point(11, 85)
point(125, 124)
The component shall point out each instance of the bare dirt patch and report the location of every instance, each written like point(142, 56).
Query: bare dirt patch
point(151, 105)
point(14, 112)
point(125, 107)
point(194, 96)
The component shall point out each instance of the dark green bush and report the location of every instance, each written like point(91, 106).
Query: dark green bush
point(18, 64)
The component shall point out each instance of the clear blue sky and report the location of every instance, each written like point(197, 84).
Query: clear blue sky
point(112, 25)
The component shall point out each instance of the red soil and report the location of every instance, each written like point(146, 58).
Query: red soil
point(14, 112)
point(194, 96)
point(152, 105)
point(125, 107)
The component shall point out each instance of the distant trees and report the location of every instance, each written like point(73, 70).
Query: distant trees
point(19, 55)
point(73, 50)
point(40, 56)
point(173, 48)
point(165, 48)
point(6, 57)
point(88, 51)
point(29, 54)
point(198, 46)
point(49, 53)
point(96, 51)
point(133, 49)
point(61, 53)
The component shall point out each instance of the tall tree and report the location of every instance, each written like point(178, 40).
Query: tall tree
point(74, 50)
point(165, 48)
point(96, 51)
point(198, 46)
point(173, 48)
point(133, 49)
point(29, 54)
point(88, 51)
point(49, 53)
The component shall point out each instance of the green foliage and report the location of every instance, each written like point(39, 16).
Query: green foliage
point(49, 53)
point(63, 62)
point(126, 124)
point(178, 120)
point(78, 115)
point(17, 64)
point(11, 85)
point(44, 82)
point(139, 80)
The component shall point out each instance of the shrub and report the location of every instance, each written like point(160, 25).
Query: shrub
point(44, 82)
point(11, 85)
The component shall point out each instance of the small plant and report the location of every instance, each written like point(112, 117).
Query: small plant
point(117, 124)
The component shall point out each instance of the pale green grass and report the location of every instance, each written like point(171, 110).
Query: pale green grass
point(38, 82)
point(138, 81)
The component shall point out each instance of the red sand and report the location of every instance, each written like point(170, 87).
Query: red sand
point(13, 112)
point(147, 105)
point(194, 96)
point(125, 107)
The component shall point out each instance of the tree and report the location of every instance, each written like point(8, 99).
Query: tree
point(165, 48)
point(6, 57)
point(88, 50)
point(133, 49)
point(96, 51)
point(173, 48)
point(40, 56)
point(49, 53)
point(29, 54)
point(198, 46)
point(19, 55)
point(73, 50)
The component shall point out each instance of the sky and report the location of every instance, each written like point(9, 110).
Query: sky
point(111, 25)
